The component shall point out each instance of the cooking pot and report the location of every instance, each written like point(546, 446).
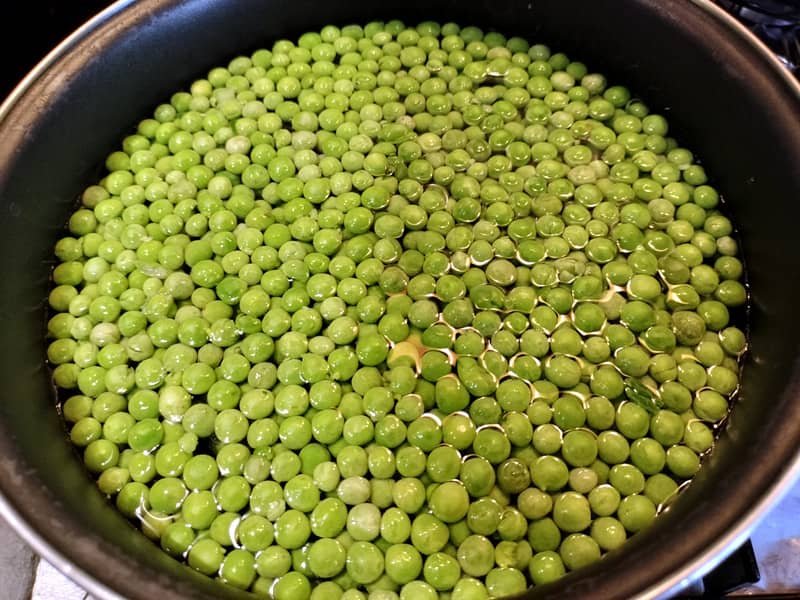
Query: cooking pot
point(723, 93)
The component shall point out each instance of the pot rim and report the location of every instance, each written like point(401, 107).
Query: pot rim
point(696, 568)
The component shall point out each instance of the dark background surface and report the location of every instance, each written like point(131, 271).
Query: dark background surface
point(39, 26)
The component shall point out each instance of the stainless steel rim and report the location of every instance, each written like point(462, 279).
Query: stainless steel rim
point(702, 563)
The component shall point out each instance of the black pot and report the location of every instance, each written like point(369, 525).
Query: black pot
point(723, 93)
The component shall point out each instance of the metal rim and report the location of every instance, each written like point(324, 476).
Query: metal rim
point(697, 567)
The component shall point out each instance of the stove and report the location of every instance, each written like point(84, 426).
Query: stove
point(775, 22)
point(765, 567)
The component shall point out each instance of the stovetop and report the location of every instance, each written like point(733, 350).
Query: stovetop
point(775, 22)
point(767, 566)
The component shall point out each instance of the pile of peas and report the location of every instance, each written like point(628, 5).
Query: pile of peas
point(396, 313)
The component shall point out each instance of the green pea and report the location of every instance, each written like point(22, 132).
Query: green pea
point(365, 562)
point(636, 512)
point(545, 567)
point(578, 550)
point(403, 563)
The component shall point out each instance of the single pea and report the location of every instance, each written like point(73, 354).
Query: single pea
point(578, 550)
point(484, 515)
point(478, 476)
point(579, 448)
point(403, 563)
point(571, 512)
point(326, 557)
point(547, 439)
point(512, 525)
point(443, 464)
point(292, 529)
point(476, 555)
point(364, 563)
point(568, 412)
point(710, 405)
point(418, 589)
point(648, 455)
point(505, 582)
point(395, 525)
point(666, 427)
point(660, 488)
point(458, 430)
point(441, 571)
point(492, 444)
point(636, 512)
point(698, 436)
point(292, 585)
point(206, 556)
point(563, 371)
point(273, 562)
point(608, 533)
point(583, 479)
point(632, 420)
point(470, 588)
point(627, 479)
point(545, 567)
point(600, 413)
point(534, 503)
